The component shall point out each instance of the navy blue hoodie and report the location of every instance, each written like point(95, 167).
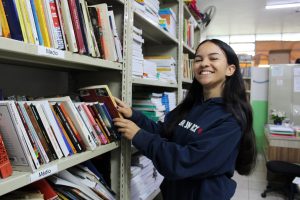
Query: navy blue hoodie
point(199, 160)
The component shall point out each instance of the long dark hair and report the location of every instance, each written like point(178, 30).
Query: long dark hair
point(236, 102)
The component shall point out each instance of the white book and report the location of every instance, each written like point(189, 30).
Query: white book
point(57, 180)
point(118, 44)
point(137, 30)
point(40, 147)
point(59, 14)
point(87, 29)
point(21, 157)
point(73, 179)
point(68, 26)
point(76, 119)
point(48, 130)
point(56, 130)
point(106, 30)
point(49, 22)
point(32, 23)
point(86, 121)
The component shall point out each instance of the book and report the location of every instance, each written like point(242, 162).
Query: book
point(36, 23)
point(21, 19)
point(4, 24)
point(76, 26)
point(117, 42)
point(12, 19)
point(5, 166)
point(45, 188)
point(102, 94)
point(14, 139)
point(68, 26)
point(42, 22)
point(27, 22)
point(31, 21)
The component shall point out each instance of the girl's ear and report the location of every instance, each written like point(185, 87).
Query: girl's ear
point(230, 70)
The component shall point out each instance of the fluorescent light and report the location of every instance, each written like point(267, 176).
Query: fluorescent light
point(277, 6)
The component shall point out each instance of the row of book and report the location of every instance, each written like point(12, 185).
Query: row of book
point(188, 72)
point(246, 72)
point(168, 20)
point(189, 26)
point(82, 181)
point(38, 132)
point(71, 25)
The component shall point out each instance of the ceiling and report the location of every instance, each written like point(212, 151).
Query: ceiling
point(236, 17)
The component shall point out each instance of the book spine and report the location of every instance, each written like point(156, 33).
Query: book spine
point(79, 125)
point(49, 131)
point(44, 157)
point(27, 140)
point(87, 124)
point(36, 22)
point(101, 124)
point(20, 16)
point(12, 19)
point(4, 23)
point(93, 122)
point(38, 131)
point(101, 134)
point(56, 25)
point(66, 138)
point(29, 134)
point(72, 126)
point(32, 22)
point(67, 128)
point(54, 127)
point(60, 21)
point(42, 22)
point(82, 27)
point(76, 26)
point(27, 22)
point(43, 131)
point(49, 23)
point(68, 26)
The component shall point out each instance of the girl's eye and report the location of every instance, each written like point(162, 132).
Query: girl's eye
point(198, 60)
point(214, 58)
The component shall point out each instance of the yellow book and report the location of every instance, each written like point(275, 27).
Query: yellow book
point(42, 21)
point(27, 23)
point(4, 24)
point(21, 19)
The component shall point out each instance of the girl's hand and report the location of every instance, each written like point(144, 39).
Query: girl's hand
point(126, 127)
point(123, 108)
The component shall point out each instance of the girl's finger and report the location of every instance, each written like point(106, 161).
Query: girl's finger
point(122, 130)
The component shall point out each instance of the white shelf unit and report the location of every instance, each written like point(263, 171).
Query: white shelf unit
point(48, 75)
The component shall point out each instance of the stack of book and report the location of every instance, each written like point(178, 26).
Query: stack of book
point(171, 100)
point(150, 105)
point(137, 53)
point(150, 70)
point(166, 67)
point(151, 10)
point(144, 178)
point(279, 130)
point(170, 18)
point(38, 132)
point(70, 25)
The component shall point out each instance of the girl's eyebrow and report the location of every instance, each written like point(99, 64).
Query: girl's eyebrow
point(211, 54)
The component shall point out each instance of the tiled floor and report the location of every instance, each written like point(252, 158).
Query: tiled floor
point(251, 187)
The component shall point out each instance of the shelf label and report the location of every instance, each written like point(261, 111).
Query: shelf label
point(40, 174)
point(45, 51)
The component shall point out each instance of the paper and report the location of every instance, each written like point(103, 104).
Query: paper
point(296, 71)
point(297, 84)
point(297, 180)
point(277, 71)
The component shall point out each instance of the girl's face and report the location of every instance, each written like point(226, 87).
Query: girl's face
point(211, 67)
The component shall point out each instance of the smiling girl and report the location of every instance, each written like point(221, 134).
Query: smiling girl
point(206, 137)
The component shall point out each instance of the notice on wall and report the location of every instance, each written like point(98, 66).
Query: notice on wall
point(277, 71)
point(297, 84)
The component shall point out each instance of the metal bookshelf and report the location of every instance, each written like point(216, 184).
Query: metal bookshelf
point(24, 55)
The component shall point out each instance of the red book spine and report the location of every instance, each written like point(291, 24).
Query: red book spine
point(76, 25)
